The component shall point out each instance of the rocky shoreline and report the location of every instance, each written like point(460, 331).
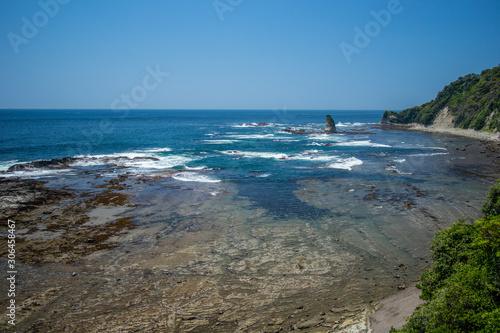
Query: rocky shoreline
point(445, 130)
point(142, 253)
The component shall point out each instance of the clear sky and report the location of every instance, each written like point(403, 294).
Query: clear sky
point(240, 54)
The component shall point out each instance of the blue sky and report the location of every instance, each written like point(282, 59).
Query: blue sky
point(240, 54)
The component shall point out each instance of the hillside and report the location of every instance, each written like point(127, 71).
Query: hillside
point(471, 102)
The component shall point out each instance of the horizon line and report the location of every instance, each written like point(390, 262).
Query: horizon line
point(190, 109)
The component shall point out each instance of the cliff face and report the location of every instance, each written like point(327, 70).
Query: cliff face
point(471, 102)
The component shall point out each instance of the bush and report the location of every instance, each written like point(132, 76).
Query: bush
point(462, 289)
point(492, 205)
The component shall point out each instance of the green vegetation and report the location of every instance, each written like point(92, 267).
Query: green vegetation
point(492, 205)
point(462, 289)
point(473, 100)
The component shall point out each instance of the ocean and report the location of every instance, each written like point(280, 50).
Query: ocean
point(229, 215)
point(218, 146)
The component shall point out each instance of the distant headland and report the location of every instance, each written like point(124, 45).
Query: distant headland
point(469, 106)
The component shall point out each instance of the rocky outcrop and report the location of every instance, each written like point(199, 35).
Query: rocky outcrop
point(56, 163)
point(471, 103)
point(330, 125)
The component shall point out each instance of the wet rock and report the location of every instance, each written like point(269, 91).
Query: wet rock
point(56, 163)
point(298, 131)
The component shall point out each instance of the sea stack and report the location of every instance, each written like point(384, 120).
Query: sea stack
point(330, 125)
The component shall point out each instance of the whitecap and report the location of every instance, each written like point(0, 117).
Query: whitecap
point(36, 173)
point(313, 157)
point(194, 177)
point(327, 137)
point(140, 162)
point(346, 163)
point(156, 150)
point(220, 142)
point(286, 140)
point(4, 166)
point(202, 167)
point(363, 143)
point(251, 154)
point(252, 136)
point(429, 154)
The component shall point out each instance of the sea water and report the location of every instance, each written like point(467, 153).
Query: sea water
point(247, 148)
point(263, 216)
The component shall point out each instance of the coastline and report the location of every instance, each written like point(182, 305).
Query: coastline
point(445, 130)
point(92, 242)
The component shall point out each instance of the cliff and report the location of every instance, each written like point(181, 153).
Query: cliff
point(470, 103)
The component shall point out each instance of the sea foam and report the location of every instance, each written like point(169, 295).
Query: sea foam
point(194, 177)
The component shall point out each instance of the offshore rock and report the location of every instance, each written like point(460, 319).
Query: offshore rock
point(56, 163)
point(330, 125)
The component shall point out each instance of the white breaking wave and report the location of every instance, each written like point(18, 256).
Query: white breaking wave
point(309, 155)
point(364, 143)
point(251, 154)
point(157, 150)
point(346, 163)
point(37, 173)
point(220, 142)
point(429, 154)
point(7, 164)
point(252, 136)
point(264, 175)
point(139, 161)
point(202, 167)
point(313, 157)
point(194, 177)
point(286, 140)
point(327, 137)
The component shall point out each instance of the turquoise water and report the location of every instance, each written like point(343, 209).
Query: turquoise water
point(217, 147)
point(207, 140)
